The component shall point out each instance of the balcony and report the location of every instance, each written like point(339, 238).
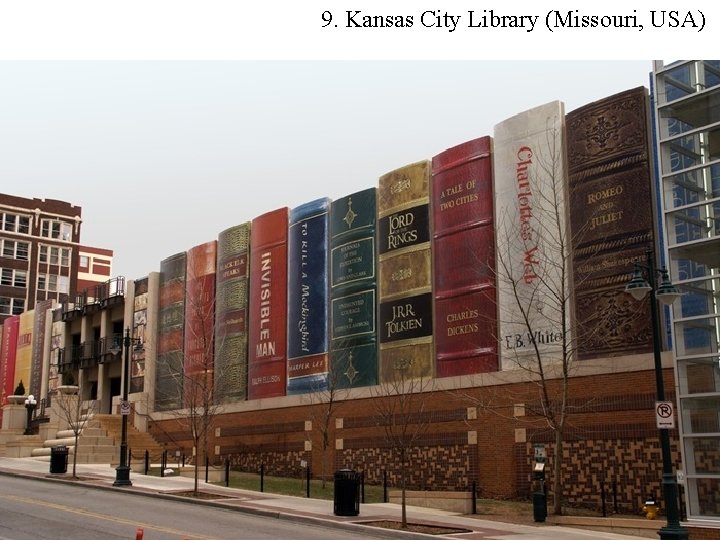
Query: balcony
point(89, 354)
point(73, 310)
point(68, 360)
point(104, 295)
point(110, 348)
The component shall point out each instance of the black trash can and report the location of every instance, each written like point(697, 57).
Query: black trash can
point(58, 459)
point(347, 493)
point(539, 506)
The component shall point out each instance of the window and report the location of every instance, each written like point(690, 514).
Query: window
point(22, 251)
point(53, 283)
point(11, 306)
point(63, 284)
point(13, 278)
point(54, 255)
point(15, 250)
point(16, 223)
point(84, 261)
point(59, 230)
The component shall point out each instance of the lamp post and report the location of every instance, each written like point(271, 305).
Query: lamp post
point(122, 471)
point(30, 404)
point(666, 293)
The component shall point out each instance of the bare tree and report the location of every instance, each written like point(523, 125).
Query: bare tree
point(75, 413)
point(534, 271)
point(325, 403)
point(194, 372)
point(400, 408)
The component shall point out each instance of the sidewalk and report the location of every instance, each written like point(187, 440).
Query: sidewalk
point(317, 511)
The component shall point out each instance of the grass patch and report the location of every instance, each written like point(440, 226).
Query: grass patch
point(295, 486)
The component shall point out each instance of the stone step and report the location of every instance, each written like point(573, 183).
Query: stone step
point(46, 451)
point(67, 441)
point(86, 432)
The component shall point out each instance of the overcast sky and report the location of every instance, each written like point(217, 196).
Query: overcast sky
point(162, 156)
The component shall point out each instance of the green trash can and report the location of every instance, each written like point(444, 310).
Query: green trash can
point(539, 506)
point(58, 459)
point(347, 493)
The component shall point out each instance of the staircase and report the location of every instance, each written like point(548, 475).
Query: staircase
point(99, 441)
point(94, 445)
point(138, 442)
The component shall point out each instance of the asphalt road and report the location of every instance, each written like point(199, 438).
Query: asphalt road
point(38, 510)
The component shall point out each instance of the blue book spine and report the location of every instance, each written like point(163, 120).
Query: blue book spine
point(308, 296)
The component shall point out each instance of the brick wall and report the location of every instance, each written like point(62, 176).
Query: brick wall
point(481, 434)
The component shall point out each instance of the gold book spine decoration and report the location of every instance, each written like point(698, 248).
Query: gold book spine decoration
point(405, 272)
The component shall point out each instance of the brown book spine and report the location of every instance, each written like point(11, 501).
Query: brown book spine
point(609, 173)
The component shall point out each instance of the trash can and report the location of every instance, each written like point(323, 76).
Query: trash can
point(539, 506)
point(347, 493)
point(58, 459)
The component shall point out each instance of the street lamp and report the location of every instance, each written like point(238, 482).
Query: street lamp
point(666, 293)
point(30, 404)
point(122, 471)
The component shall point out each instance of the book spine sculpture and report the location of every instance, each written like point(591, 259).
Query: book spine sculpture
point(267, 333)
point(609, 172)
point(171, 326)
point(308, 297)
point(353, 290)
point(199, 360)
point(532, 242)
point(464, 260)
point(231, 307)
point(405, 267)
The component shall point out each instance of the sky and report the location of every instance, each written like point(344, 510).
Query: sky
point(162, 156)
point(170, 121)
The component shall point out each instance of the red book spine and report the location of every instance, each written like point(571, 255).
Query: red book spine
point(463, 263)
point(267, 339)
point(199, 322)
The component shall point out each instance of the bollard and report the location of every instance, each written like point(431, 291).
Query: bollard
point(207, 466)
point(307, 481)
point(139, 534)
point(147, 461)
point(362, 487)
point(474, 497)
point(262, 476)
point(385, 498)
point(227, 472)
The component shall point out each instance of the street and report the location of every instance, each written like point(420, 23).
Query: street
point(38, 510)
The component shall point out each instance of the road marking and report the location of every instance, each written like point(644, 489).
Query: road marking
point(106, 517)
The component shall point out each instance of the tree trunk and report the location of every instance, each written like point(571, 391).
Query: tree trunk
point(402, 490)
point(197, 464)
point(557, 473)
point(75, 453)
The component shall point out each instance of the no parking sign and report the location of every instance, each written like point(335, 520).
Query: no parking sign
point(664, 415)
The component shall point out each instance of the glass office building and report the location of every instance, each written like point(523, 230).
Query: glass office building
point(687, 122)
